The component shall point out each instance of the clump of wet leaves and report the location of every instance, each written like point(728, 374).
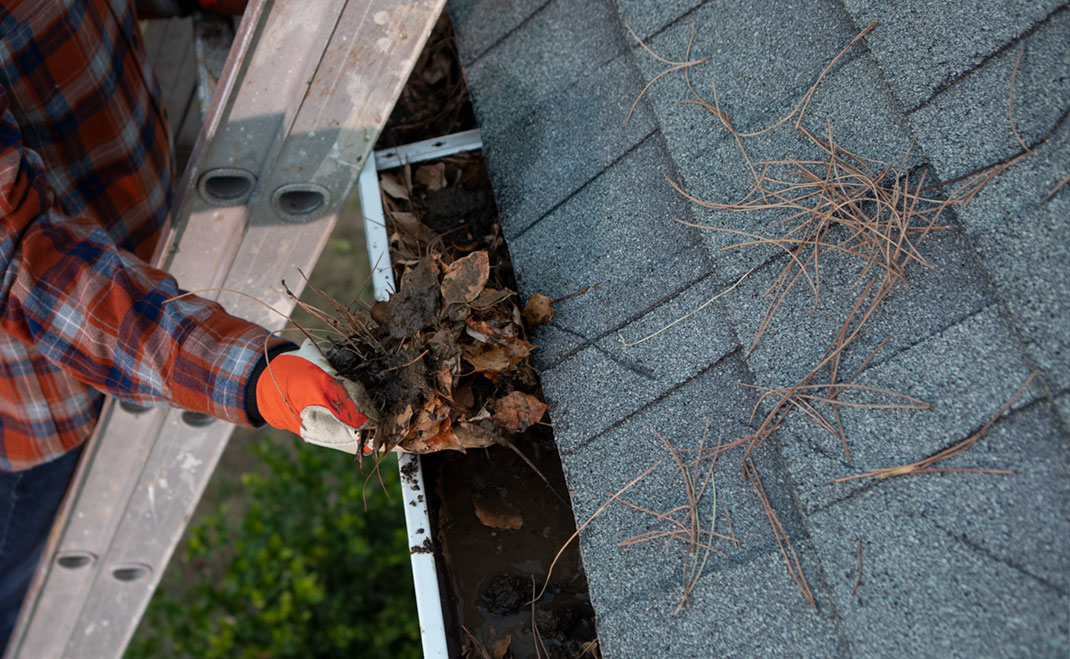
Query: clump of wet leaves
point(445, 359)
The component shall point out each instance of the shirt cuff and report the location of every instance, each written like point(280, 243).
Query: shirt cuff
point(251, 410)
point(215, 365)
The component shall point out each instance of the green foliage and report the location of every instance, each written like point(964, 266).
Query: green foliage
point(307, 572)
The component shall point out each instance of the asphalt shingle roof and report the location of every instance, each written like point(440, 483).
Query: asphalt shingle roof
point(953, 564)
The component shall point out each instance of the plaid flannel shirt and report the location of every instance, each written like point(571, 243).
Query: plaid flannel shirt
point(85, 191)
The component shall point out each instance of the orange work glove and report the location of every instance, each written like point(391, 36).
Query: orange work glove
point(300, 392)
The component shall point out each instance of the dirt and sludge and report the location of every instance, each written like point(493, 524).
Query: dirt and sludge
point(447, 362)
point(499, 526)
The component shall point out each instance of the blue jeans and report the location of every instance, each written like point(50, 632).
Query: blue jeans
point(28, 503)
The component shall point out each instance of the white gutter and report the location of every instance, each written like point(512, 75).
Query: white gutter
point(413, 493)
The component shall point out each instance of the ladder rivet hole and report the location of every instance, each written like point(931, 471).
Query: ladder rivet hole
point(197, 419)
point(134, 408)
point(128, 573)
point(300, 202)
point(75, 560)
point(226, 186)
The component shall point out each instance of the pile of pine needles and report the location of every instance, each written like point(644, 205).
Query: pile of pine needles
point(831, 204)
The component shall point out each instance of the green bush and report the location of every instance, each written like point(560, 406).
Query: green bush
point(307, 572)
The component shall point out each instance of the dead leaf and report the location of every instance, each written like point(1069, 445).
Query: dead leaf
point(464, 397)
point(517, 411)
point(501, 647)
point(472, 435)
point(484, 332)
point(436, 70)
point(444, 376)
point(409, 223)
point(496, 513)
point(433, 176)
point(517, 349)
point(482, 415)
point(490, 297)
point(477, 334)
point(591, 647)
point(393, 187)
point(443, 344)
point(404, 417)
point(465, 278)
point(409, 233)
point(429, 419)
point(445, 439)
point(538, 310)
point(490, 359)
point(412, 308)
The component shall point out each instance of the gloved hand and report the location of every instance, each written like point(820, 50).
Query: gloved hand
point(300, 392)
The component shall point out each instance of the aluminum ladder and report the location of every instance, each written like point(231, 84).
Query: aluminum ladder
point(301, 99)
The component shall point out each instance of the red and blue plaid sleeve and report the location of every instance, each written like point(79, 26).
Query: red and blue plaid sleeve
point(85, 177)
point(101, 314)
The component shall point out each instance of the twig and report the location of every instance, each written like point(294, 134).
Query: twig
point(408, 363)
point(689, 530)
point(791, 559)
point(512, 447)
point(590, 648)
point(687, 315)
point(571, 295)
point(1056, 188)
point(540, 647)
point(477, 645)
point(674, 66)
point(590, 519)
point(926, 465)
point(801, 106)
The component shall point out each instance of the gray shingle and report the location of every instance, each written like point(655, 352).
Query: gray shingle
point(554, 343)
point(753, 610)
point(607, 381)
point(761, 60)
point(596, 469)
point(628, 588)
point(542, 159)
point(1023, 243)
point(566, 42)
point(479, 24)
point(954, 564)
point(647, 18)
point(1022, 519)
point(968, 372)
point(711, 166)
point(958, 564)
point(798, 337)
point(924, 45)
point(968, 126)
point(616, 237)
point(1062, 408)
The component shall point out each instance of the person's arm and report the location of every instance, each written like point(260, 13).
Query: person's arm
point(104, 316)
